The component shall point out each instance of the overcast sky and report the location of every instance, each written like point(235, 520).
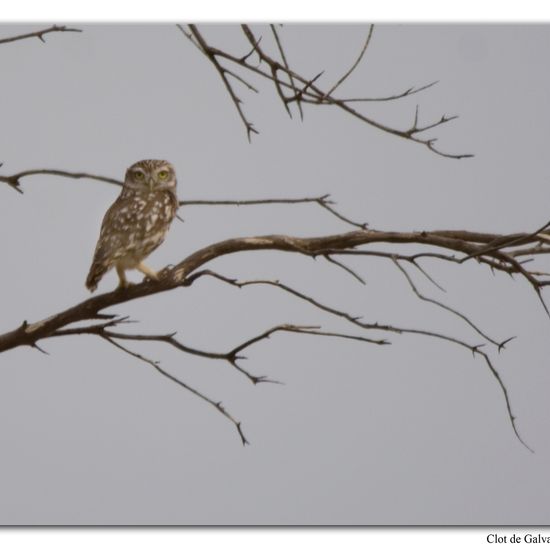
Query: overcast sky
point(413, 433)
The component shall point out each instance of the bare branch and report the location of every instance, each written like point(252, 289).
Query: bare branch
point(155, 364)
point(232, 356)
point(39, 34)
point(290, 77)
point(187, 271)
point(343, 243)
point(408, 92)
point(443, 306)
point(499, 242)
point(345, 268)
point(475, 349)
point(305, 90)
point(357, 61)
point(194, 32)
point(323, 201)
point(15, 179)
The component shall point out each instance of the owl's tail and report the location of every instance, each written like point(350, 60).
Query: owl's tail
point(97, 270)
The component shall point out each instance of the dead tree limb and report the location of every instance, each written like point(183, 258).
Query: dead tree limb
point(292, 87)
point(468, 245)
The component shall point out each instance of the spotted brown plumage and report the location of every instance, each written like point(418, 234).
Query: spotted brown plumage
point(137, 222)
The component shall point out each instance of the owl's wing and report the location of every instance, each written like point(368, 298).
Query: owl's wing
point(116, 237)
point(116, 228)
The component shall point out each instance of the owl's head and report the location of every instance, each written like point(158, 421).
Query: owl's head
point(151, 175)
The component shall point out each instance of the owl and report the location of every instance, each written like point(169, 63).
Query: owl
point(136, 223)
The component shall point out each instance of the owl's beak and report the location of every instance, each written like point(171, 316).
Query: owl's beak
point(151, 183)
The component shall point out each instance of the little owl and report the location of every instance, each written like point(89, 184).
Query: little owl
point(137, 222)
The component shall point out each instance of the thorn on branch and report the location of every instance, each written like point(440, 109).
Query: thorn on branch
point(255, 45)
point(502, 345)
point(289, 74)
point(37, 347)
point(13, 182)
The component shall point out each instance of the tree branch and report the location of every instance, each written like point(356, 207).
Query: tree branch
point(14, 180)
point(445, 307)
point(103, 331)
point(39, 34)
point(342, 243)
point(187, 271)
point(290, 77)
point(354, 66)
point(155, 364)
point(475, 349)
point(324, 201)
point(199, 40)
point(304, 90)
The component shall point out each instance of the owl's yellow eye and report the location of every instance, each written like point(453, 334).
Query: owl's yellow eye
point(163, 174)
point(139, 176)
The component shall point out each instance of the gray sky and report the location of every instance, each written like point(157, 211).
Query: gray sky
point(413, 433)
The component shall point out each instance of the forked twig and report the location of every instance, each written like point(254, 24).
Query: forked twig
point(475, 349)
point(216, 404)
point(290, 77)
point(444, 306)
point(305, 90)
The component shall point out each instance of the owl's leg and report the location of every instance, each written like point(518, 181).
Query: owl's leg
point(123, 281)
point(147, 271)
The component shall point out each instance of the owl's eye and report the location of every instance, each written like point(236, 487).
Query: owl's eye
point(139, 176)
point(163, 174)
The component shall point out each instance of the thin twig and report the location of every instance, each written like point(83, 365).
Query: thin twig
point(443, 306)
point(354, 66)
point(323, 201)
point(305, 90)
point(222, 72)
point(15, 179)
point(393, 97)
point(216, 404)
point(291, 78)
point(39, 34)
point(345, 268)
point(475, 349)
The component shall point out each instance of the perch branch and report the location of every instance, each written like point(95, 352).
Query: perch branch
point(188, 270)
point(342, 243)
